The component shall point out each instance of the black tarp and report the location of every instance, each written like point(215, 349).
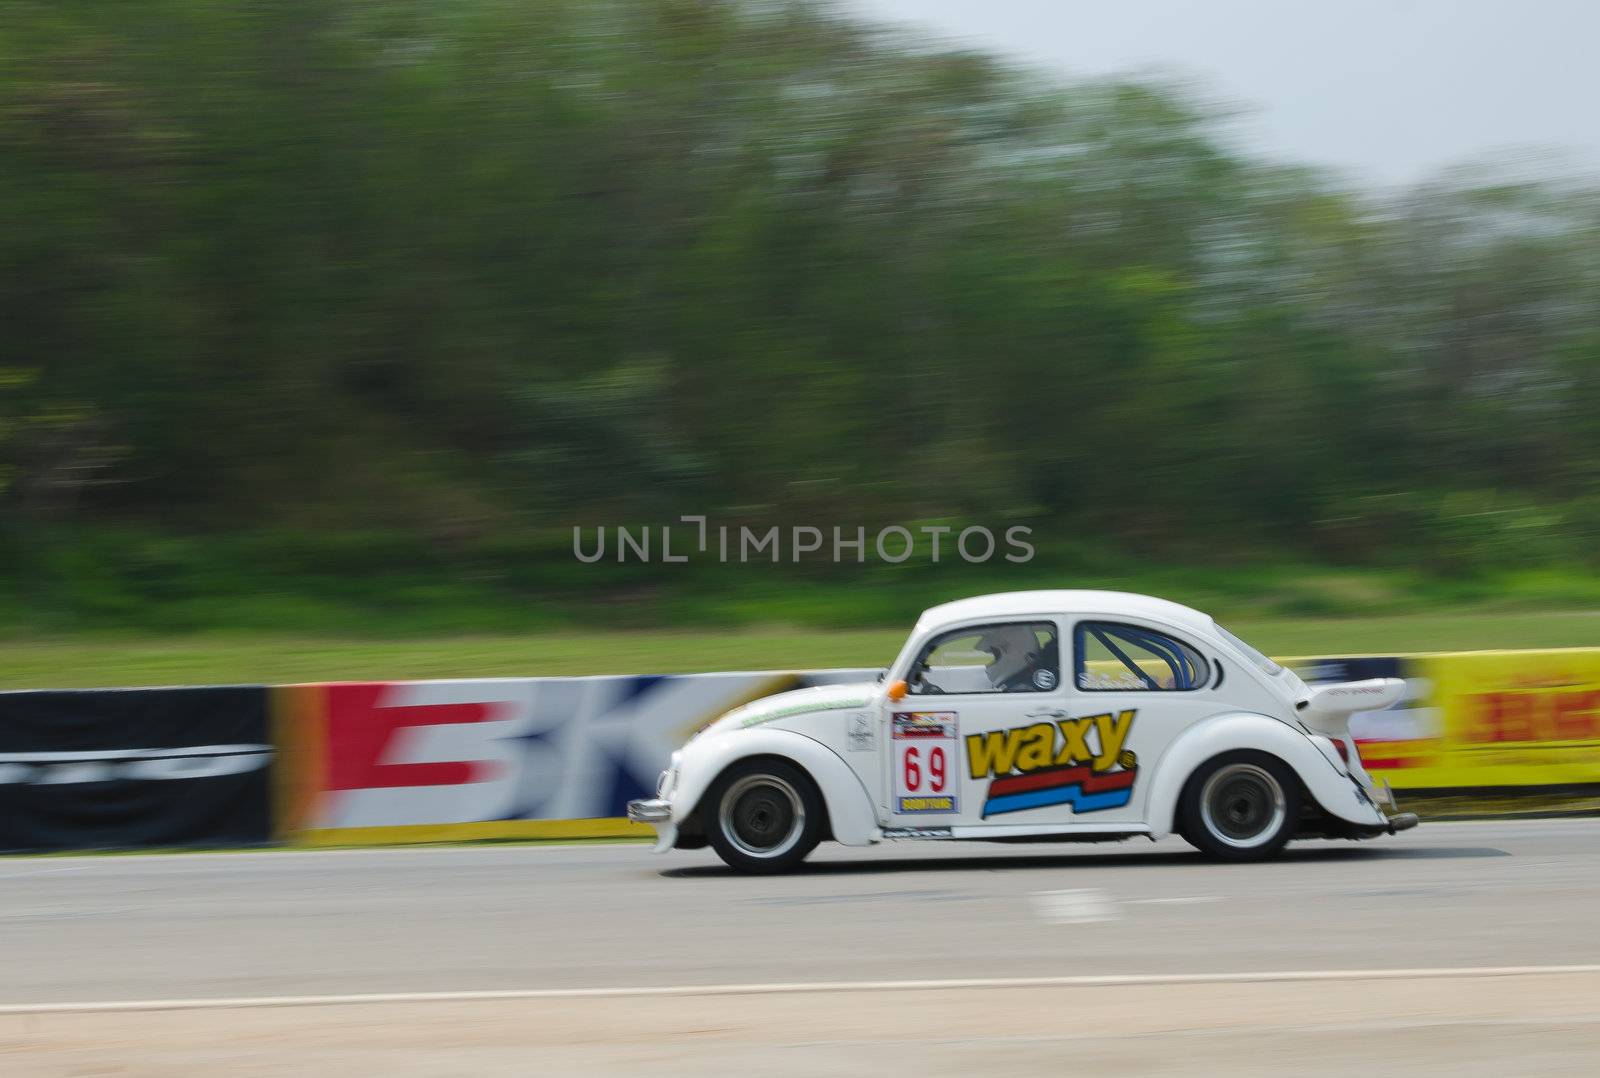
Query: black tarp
point(134, 767)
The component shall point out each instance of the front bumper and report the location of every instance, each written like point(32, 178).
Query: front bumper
point(656, 812)
point(652, 812)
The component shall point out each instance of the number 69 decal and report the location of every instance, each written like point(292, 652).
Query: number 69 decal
point(924, 746)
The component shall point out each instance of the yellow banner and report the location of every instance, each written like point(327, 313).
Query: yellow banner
point(1515, 718)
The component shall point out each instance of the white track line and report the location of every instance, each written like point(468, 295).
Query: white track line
point(800, 988)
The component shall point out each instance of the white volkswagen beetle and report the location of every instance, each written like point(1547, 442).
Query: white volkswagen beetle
point(1036, 716)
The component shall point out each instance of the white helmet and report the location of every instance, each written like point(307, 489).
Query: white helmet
point(1012, 647)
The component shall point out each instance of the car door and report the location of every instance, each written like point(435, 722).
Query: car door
point(1135, 686)
point(974, 693)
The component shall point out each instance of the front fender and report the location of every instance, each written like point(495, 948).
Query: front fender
point(849, 805)
point(1335, 793)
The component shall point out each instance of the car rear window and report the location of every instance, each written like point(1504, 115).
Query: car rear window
point(1264, 664)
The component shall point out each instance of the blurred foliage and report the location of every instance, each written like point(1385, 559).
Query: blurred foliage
point(454, 270)
point(394, 584)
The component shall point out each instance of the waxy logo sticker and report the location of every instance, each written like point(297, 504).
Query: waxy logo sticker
point(1077, 762)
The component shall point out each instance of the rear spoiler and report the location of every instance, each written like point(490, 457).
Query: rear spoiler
point(1327, 708)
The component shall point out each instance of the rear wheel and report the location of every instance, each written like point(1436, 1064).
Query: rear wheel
point(763, 816)
point(1240, 806)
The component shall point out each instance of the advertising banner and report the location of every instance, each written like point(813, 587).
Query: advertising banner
point(420, 761)
point(423, 761)
point(134, 767)
point(1480, 721)
point(382, 762)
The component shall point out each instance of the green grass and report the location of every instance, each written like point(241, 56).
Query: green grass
point(107, 606)
point(220, 658)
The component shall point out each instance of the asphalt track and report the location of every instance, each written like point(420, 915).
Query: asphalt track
point(1059, 948)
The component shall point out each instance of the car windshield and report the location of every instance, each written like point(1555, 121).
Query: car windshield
point(1264, 664)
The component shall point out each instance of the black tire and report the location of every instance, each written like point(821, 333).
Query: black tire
point(1240, 806)
point(763, 816)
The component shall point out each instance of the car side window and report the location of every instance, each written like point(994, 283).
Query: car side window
point(1018, 656)
point(1113, 657)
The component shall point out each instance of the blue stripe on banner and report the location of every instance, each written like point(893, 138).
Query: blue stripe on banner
point(1061, 795)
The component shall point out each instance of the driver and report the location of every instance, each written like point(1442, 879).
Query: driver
point(1016, 655)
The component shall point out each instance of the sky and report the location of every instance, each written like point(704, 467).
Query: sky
point(1389, 92)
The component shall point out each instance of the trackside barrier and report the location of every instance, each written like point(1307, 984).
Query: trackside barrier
point(498, 758)
point(117, 768)
point(559, 757)
point(1481, 724)
point(427, 761)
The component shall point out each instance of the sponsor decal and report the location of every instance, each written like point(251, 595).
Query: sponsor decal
point(859, 736)
point(1104, 682)
point(1338, 691)
point(1078, 762)
point(924, 761)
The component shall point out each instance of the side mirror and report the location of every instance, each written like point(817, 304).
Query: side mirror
point(897, 690)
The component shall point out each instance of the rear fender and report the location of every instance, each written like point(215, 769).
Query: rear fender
point(1333, 791)
point(850, 809)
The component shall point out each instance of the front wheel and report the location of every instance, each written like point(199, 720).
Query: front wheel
point(1240, 806)
point(763, 816)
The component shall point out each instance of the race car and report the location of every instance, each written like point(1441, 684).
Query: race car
point(1043, 716)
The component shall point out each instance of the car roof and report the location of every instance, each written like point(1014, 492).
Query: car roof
point(1066, 601)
